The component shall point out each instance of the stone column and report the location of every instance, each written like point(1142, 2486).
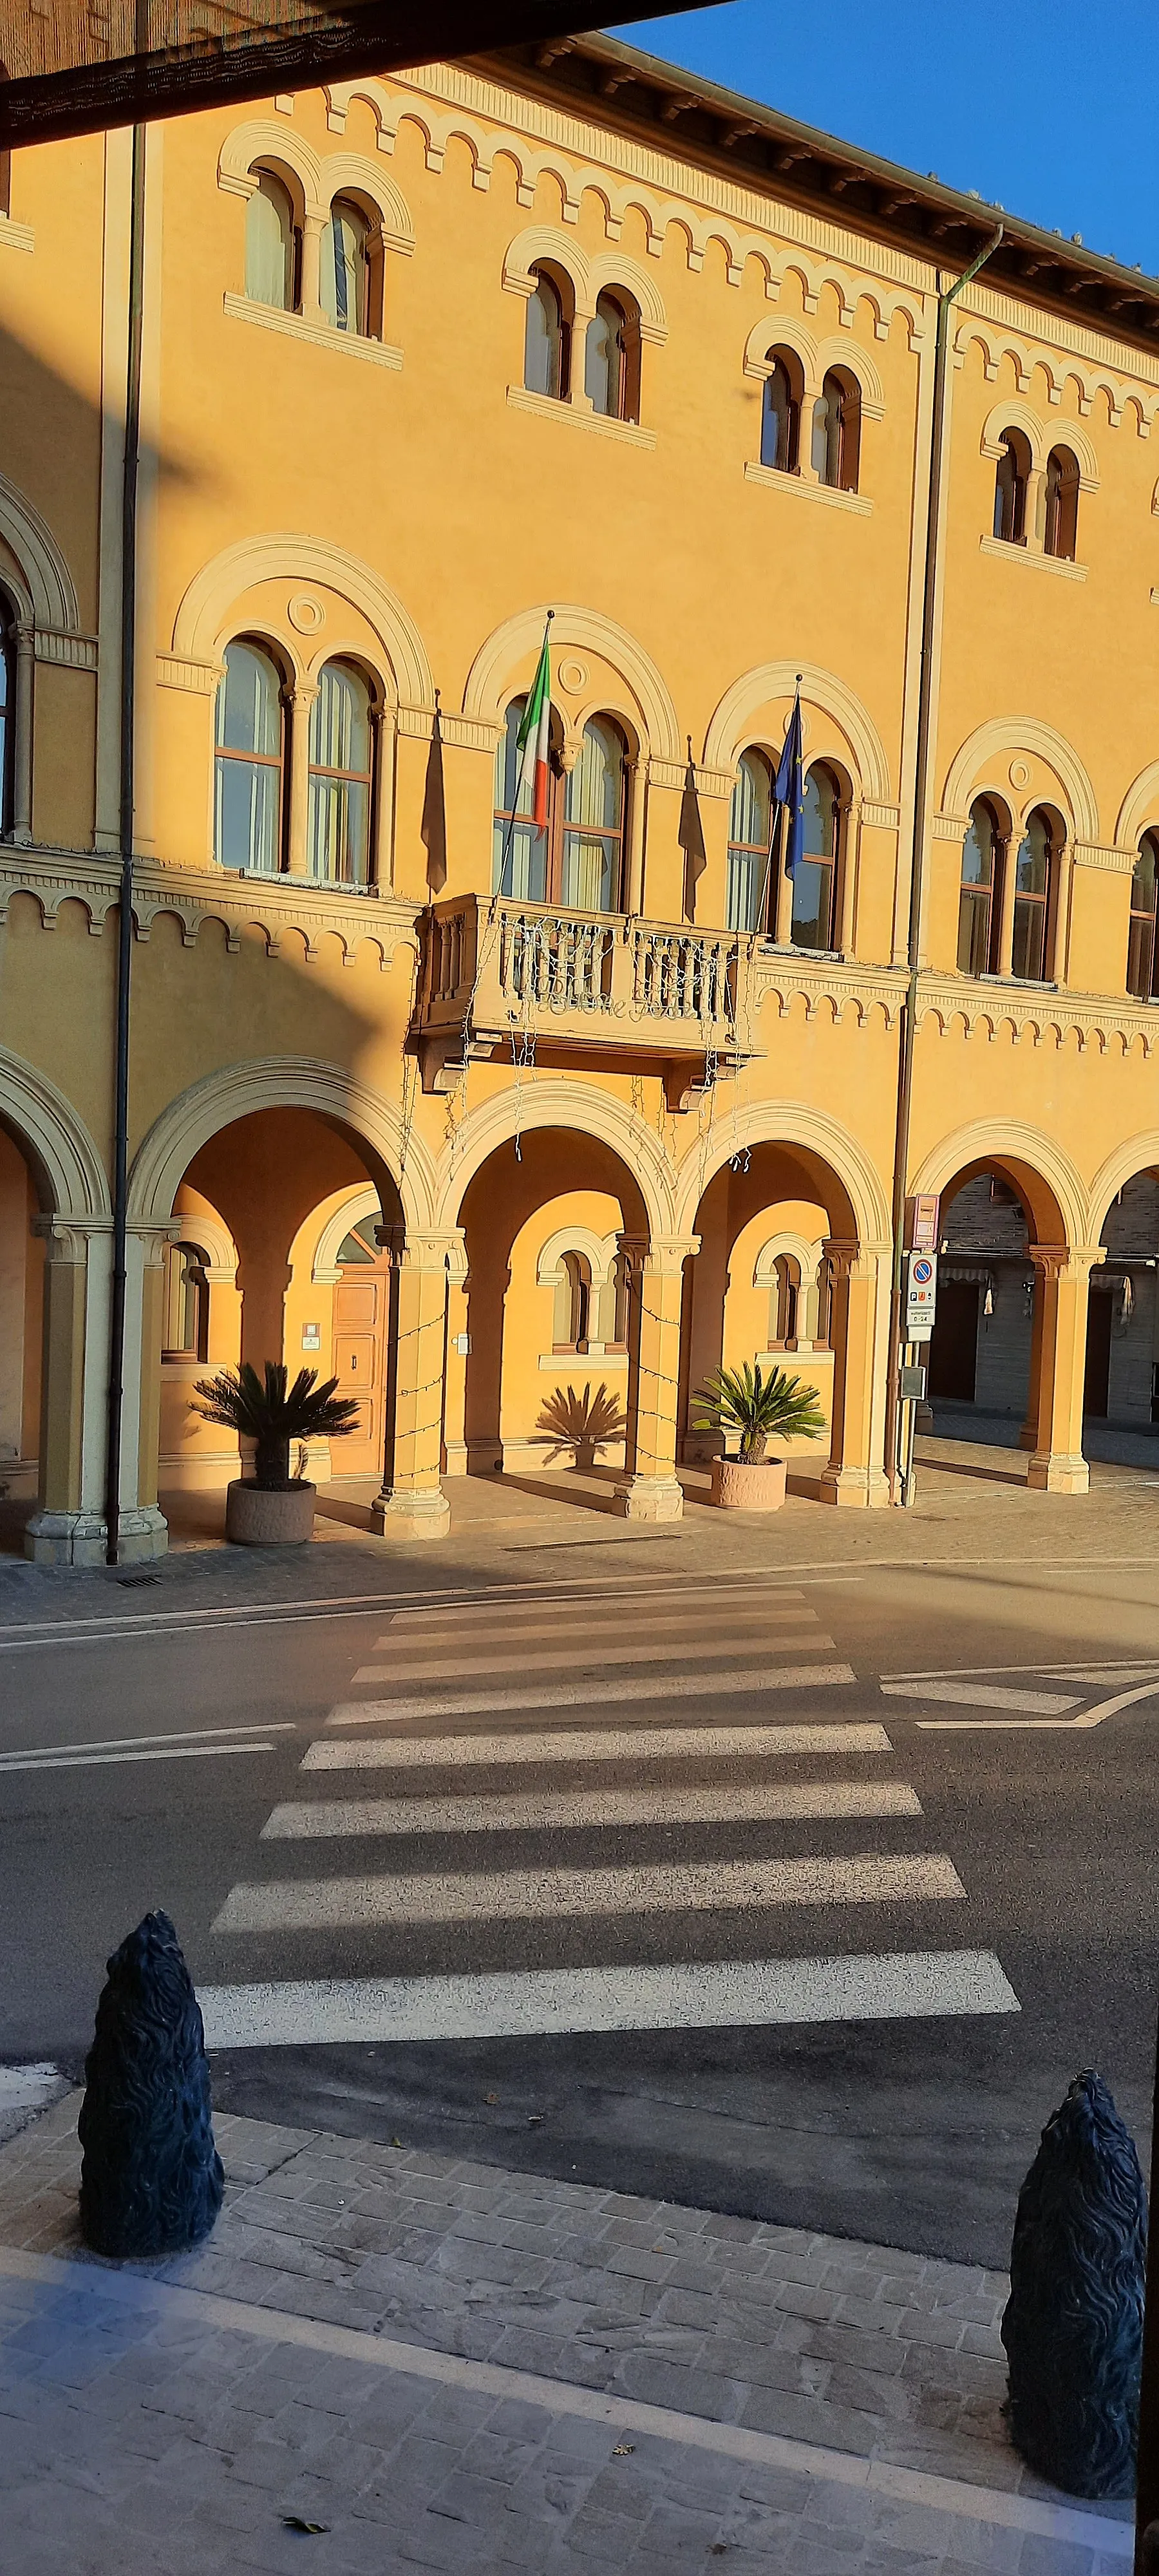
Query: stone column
point(412, 1504)
point(458, 1353)
point(859, 1332)
point(23, 712)
point(68, 1526)
point(1028, 1435)
point(301, 699)
point(1057, 1465)
point(143, 1528)
point(312, 231)
point(651, 1489)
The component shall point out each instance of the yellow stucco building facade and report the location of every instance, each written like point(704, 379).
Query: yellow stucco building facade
point(522, 1130)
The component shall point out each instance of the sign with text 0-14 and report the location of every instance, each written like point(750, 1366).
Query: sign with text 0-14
point(921, 1295)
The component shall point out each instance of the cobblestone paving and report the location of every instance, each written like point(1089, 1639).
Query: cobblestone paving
point(147, 2438)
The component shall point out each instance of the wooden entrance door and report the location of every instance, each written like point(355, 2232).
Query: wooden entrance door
point(361, 1326)
point(954, 1344)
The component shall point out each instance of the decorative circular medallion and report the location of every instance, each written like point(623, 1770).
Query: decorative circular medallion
point(572, 677)
point(1019, 774)
point(308, 615)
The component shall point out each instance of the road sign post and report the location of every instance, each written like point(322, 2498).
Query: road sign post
point(918, 1312)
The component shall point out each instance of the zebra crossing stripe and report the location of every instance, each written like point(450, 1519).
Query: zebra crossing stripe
point(567, 1810)
point(576, 1744)
point(552, 1895)
point(539, 2002)
point(586, 1693)
point(445, 1666)
point(437, 1638)
point(983, 1694)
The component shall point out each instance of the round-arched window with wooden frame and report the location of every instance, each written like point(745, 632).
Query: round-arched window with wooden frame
point(977, 910)
point(1010, 482)
point(815, 881)
point(1034, 875)
point(836, 445)
point(612, 357)
point(1061, 505)
point(749, 842)
point(7, 712)
point(341, 777)
point(250, 734)
point(547, 335)
point(272, 246)
point(1142, 961)
point(345, 269)
point(591, 871)
point(781, 412)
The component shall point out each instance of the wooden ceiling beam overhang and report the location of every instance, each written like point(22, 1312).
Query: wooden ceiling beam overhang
point(656, 102)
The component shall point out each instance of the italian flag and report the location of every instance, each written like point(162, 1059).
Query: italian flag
point(533, 736)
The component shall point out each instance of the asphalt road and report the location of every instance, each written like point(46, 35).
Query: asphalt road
point(993, 1877)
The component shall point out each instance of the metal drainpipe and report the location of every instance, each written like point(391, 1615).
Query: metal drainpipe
point(125, 926)
point(946, 297)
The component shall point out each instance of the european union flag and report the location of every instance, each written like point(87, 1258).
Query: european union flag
point(789, 791)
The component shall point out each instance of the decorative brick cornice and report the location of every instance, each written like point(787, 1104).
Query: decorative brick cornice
point(270, 905)
point(1109, 1024)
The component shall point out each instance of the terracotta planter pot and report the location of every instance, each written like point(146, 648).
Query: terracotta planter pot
point(257, 1518)
point(740, 1487)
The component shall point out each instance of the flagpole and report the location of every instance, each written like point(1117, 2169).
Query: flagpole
point(509, 836)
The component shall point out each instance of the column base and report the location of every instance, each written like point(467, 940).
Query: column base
point(399, 1515)
point(650, 1498)
point(1056, 1471)
point(454, 1458)
point(80, 1538)
point(863, 1489)
point(1028, 1436)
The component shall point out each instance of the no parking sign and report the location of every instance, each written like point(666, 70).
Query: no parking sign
point(921, 1295)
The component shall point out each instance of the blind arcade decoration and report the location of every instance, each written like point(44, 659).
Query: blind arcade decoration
point(74, 67)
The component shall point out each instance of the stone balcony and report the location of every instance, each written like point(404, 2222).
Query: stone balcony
point(531, 980)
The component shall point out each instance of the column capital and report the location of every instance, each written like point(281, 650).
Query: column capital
point(661, 1255)
point(67, 1238)
point(1066, 1260)
point(444, 1250)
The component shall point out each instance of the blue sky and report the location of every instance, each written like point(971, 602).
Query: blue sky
point(1049, 108)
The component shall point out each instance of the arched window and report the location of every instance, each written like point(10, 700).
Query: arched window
point(250, 743)
point(781, 412)
point(341, 777)
point(519, 846)
point(185, 1313)
point(7, 713)
point(361, 1245)
point(547, 338)
point(271, 246)
point(1141, 958)
point(573, 1304)
point(814, 885)
point(1010, 488)
point(345, 269)
point(977, 917)
point(593, 821)
point(837, 431)
point(749, 836)
point(612, 359)
point(1033, 890)
point(1061, 523)
point(785, 1300)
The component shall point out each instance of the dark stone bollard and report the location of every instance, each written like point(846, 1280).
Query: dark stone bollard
point(151, 2178)
point(1073, 2326)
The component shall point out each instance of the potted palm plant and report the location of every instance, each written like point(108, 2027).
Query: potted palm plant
point(760, 1409)
point(271, 1508)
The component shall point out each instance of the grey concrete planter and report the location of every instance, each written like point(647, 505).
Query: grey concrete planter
point(256, 1517)
point(742, 1487)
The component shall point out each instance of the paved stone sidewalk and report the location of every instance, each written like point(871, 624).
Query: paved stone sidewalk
point(449, 2366)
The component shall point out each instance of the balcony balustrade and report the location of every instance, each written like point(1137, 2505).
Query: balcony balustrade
point(527, 978)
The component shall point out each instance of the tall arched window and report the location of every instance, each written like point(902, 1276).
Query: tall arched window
point(573, 1304)
point(612, 359)
point(785, 1300)
point(749, 836)
point(1010, 488)
point(837, 431)
point(781, 412)
point(815, 882)
point(593, 821)
point(547, 338)
point(977, 918)
point(7, 713)
point(185, 1315)
point(341, 777)
point(1033, 890)
point(1141, 957)
point(1061, 522)
point(344, 282)
point(271, 245)
point(519, 846)
point(250, 743)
